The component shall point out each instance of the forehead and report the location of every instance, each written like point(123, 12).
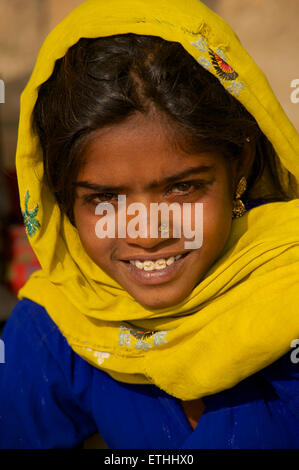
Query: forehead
point(141, 148)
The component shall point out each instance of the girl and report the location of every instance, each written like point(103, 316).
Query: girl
point(149, 343)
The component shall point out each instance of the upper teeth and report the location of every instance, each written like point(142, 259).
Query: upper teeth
point(149, 265)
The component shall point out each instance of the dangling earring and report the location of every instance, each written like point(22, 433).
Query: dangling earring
point(238, 205)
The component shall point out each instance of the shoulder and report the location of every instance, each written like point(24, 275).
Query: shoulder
point(283, 376)
point(31, 336)
point(28, 315)
point(45, 387)
point(260, 412)
point(30, 325)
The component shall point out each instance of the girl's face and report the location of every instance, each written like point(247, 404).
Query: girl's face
point(136, 159)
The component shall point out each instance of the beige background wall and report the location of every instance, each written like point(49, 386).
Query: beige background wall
point(269, 31)
point(267, 28)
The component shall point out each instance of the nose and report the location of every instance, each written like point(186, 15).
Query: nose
point(144, 230)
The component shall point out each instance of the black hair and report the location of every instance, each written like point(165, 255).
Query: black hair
point(103, 81)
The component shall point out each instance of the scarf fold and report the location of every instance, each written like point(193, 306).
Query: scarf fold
point(243, 315)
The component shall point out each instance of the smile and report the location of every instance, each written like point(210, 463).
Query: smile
point(155, 271)
point(161, 263)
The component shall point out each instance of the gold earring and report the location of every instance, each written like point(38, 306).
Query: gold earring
point(238, 205)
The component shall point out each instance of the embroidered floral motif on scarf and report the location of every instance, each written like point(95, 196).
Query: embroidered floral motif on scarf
point(141, 339)
point(30, 221)
point(99, 356)
point(216, 61)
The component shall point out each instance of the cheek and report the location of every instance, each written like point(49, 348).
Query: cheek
point(98, 249)
point(217, 225)
point(217, 220)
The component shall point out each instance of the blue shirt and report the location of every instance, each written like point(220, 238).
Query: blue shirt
point(52, 398)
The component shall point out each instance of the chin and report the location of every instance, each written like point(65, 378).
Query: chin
point(160, 302)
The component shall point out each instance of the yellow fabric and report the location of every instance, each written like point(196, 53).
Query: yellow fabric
point(244, 314)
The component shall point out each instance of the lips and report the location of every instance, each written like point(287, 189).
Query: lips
point(154, 276)
point(150, 265)
point(153, 257)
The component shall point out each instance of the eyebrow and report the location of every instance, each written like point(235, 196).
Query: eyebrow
point(153, 185)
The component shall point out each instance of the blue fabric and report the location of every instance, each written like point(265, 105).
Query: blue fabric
point(254, 203)
point(51, 398)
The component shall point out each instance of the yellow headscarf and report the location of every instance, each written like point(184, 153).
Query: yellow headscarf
point(244, 314)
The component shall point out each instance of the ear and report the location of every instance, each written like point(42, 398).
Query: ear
point(244, 164)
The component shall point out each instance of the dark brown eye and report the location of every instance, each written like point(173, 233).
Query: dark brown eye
point(101, 197)
point(182, 186)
